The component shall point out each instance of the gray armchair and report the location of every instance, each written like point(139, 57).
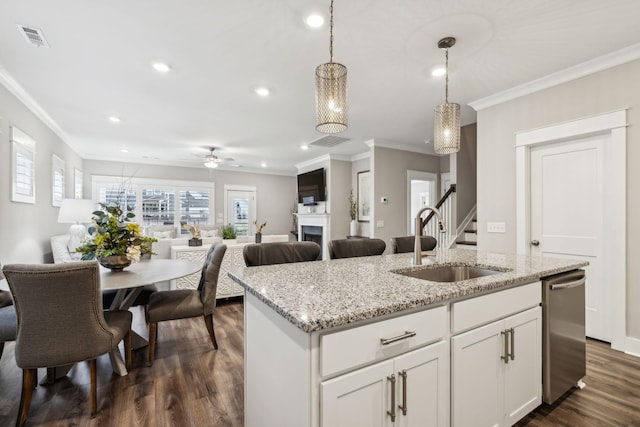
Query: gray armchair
point(404, 244)
point(187, 303)
point(61, 322)
point(350, 248)
point(280, 253)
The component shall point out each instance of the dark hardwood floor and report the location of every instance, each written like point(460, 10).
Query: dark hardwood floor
point(190, 384)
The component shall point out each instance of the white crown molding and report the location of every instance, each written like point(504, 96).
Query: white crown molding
point(360, 156)
point(591, 66)
point(18, 91)
point(322, 159)
point(400, 146)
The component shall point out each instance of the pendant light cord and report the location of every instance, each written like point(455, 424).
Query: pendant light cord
point(331, 32)
point(446, 75)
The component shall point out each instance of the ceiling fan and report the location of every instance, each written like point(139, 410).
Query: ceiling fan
point(212, 161)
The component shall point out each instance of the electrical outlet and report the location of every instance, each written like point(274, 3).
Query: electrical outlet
point(496, 227)
point(380, 223)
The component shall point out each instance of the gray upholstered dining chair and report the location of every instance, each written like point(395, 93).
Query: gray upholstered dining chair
point(350, 248)
point(401, 245)
point(61, 322)
point(186, 303)
point(280, 253)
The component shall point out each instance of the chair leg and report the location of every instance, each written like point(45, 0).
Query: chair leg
point(127, 350)
point(1, 349)
point(29, 377)
point(93, 392)
point(208, 320)
point(51, 376)
point(153, 336)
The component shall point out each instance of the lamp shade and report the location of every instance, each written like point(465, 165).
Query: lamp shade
point(331, 98)
point(446, 132)
point(75, 211)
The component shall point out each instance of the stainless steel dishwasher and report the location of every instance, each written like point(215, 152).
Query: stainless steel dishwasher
point(563, 328)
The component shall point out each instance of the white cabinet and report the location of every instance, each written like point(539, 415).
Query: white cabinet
point(497, 371)
point(408, 390)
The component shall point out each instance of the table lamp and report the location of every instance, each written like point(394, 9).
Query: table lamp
point(76, 212)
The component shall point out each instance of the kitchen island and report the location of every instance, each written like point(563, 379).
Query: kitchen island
point(357, 342)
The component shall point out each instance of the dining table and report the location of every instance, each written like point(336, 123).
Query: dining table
point(129, 282)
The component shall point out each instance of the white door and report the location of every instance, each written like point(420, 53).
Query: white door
point(423, 385)
point(567, 213)
point(358, 399)
point(240, 211)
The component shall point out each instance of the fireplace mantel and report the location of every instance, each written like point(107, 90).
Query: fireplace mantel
point(316, 220)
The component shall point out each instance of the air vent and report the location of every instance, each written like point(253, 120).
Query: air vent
point(328, 141)
point(34, 36)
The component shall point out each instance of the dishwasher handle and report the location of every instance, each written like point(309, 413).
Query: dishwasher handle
point(568, 285)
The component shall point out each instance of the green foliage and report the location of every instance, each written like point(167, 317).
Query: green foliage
point(353, 206)
point(228, 232)
point(114, 233)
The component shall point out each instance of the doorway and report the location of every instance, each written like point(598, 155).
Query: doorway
point(240, 209)
point(594, 145)
point(421, 191)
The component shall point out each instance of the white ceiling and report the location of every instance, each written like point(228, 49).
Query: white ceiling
point(98, 65)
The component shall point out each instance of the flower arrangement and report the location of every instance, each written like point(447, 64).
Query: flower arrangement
point(114, 233)
point(228, 232)
point(259, 227)
point(353, 206)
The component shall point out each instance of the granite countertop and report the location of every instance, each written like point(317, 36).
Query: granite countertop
point(324, 294)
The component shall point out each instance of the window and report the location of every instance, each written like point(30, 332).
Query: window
point(23, 171)
point(57, 180)
point(160, 202)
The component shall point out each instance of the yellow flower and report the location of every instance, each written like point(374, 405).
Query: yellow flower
point(134, 227)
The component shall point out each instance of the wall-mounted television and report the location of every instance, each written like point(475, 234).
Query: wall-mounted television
point(311, 187)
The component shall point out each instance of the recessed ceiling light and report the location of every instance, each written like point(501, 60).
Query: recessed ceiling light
point(263, 164)
point(304, 147)
point(161, 67)
point(438, 71)
point(114, 119)
point(314, 20)
point(262, 91)
point(124, 150)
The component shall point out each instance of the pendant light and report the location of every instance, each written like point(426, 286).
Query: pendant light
point(331, 92)
point(446, 129)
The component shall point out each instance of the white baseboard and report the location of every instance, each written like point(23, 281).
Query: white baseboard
point(632, 346)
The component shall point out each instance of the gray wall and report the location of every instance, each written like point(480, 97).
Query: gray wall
point(601, 92)
point(360, 166)
point(275, 193)
point(390, 180)
point(26, 228)
point(340, 176)
point(466, 172)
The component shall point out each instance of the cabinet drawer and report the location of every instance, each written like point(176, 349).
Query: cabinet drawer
point(361, 345)
point(487, 308)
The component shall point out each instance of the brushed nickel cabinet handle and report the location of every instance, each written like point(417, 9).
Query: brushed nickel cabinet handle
point(505, 337)
point(392, 412)
point(407, 334)
point(513, 345)
point(403, 374)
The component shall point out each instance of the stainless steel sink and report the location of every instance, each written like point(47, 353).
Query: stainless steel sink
point(449, 273)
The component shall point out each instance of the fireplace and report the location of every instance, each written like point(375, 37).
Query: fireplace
point(315, 227)
point(312, 233)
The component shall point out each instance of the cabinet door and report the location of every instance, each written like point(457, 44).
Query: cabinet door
point(426, 372)
point(358, 399)
point(523, 373)
point(477, 390)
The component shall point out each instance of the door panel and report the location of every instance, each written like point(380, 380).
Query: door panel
point(427, 386)
point(358, 399)
point(567, 214)
point(241, 211)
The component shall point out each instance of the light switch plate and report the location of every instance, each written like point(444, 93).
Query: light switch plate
point(496, 227)
point(380, 223)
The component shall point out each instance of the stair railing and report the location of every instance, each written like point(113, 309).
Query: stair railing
point(446, 206)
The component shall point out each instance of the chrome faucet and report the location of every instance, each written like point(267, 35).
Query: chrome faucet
point(420, 223)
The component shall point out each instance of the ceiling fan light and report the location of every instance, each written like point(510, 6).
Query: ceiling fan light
point(211, 163)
